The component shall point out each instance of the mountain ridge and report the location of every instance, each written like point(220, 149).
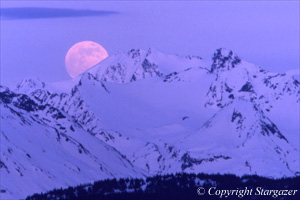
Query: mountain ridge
point(158, 114)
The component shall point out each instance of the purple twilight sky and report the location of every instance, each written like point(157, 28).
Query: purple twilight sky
point(35, 35)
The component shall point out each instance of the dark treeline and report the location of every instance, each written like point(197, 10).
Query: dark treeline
point(175, 186)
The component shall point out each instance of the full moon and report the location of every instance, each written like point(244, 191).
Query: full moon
point(82, 56)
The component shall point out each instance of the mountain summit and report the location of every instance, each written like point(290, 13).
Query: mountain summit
point(224, 59)
point(142, 113)
point(136, 64)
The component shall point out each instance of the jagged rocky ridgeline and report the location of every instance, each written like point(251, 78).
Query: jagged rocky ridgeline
point(142, 113)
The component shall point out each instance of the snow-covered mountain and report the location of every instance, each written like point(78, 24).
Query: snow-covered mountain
point(141, 113)
point(137, 64)
point(235, 78)
point(42, 147)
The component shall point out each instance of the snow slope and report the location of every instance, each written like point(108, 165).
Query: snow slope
point(43, 147)
point(145, 113)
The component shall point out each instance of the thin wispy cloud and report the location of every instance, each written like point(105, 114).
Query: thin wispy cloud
point(22, 13)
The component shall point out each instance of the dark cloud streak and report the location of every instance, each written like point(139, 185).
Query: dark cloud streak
point(22, 13)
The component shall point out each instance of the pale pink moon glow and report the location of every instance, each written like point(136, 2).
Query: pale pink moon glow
point(82, 56)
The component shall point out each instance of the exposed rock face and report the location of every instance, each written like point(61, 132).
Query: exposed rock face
point(145, 113)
